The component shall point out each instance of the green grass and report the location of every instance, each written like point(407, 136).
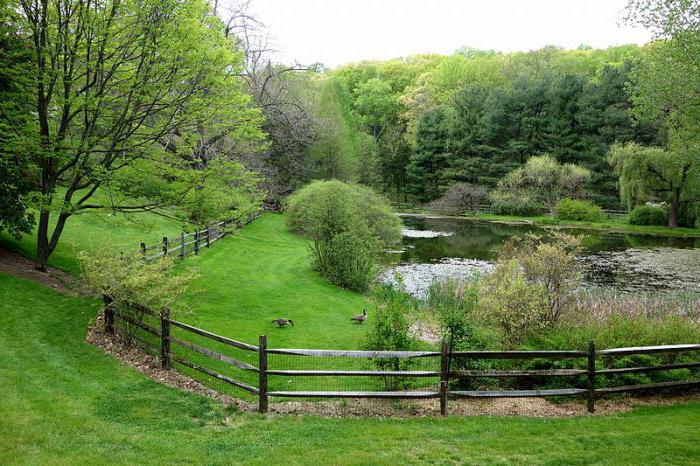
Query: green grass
point(94, 231)
point(611, 224)
point(261, 273)
point(65, 402)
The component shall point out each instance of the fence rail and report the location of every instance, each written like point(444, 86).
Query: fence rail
point(202, 237)
point(443, 377)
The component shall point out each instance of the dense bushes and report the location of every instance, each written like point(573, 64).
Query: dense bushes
point(578, 210)
point(517, 206)
point(648, 215)
point(349, 226)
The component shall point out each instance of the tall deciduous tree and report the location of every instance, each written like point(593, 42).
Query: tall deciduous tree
point(116, 83)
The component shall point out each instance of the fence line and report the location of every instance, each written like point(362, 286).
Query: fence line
point(443, 377)
point(201, 237)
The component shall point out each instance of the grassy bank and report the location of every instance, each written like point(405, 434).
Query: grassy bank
point(65, 402)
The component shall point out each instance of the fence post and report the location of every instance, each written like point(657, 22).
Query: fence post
point(262, 371)
point(165, 338)
point(143, 249)
point(196, 242)
point(165, 246)
point(108, 314)
point(444, 377)
point(182, 245)
point(208, 236)
point(591, 376)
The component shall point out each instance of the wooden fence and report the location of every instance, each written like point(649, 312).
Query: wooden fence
point(440, 388)
point(191, 243)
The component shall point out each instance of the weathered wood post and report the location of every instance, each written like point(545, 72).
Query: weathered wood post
point(165, 246)
point(444, 376)
point(591, 376)
point(143, 249)
point(208, 236)
point(108, 314)
point(182, 245)
point(262, 372)
point(165, 338)
point(196, 242)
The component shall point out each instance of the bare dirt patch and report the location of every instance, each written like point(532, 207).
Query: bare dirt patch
point(15, 264)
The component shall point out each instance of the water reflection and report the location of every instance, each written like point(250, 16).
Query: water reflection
point(619, 260)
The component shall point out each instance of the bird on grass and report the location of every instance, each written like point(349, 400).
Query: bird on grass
point(361, 317)
point(283, 322)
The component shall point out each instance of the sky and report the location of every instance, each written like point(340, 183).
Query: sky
point(335, 32)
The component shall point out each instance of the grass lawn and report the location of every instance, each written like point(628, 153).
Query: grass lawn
point(96, 230)
point(65, 402)
point(615, 225)
point(262, 273)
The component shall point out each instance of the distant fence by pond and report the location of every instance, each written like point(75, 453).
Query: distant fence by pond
point(268, 372)
point(191, 243)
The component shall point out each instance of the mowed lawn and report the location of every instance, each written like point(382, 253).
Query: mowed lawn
point(264, 272)
point(65, 402)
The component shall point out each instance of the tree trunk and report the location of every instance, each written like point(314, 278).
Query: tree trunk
point(45, 246)
point(675, 207)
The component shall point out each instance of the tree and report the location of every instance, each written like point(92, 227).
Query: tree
point(426, 169)
point(120, 84)
point(652, 173)
point(18, 173)
point(544, 180)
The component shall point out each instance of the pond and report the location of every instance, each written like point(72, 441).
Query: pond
point(438, 247)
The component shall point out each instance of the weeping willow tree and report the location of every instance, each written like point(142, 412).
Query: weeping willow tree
point(657, 174)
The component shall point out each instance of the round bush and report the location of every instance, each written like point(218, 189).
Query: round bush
point(648, 215)
point(577, 210)
point(308, 210)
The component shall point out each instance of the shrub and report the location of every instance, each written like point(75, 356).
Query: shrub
point(460, 198)
point(518, 206)
point(349, 226)
point(389, 331)
point(578, 210)
point(307, 208)
point(513, 303)
point(128, 279)
point(648, 215)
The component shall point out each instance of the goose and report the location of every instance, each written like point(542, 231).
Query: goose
point(361, 317)
point(283, 322)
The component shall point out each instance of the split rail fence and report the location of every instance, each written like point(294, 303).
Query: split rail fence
point(192, 243)
point(251, 370)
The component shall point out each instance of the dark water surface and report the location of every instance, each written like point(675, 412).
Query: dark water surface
point(460, 247)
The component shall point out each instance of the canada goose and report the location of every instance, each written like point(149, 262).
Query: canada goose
point(360, 318)
point(282, 322)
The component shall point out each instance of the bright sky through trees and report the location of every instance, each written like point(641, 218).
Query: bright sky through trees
point(335, 32)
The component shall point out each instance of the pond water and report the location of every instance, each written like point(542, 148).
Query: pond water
point(438, 247)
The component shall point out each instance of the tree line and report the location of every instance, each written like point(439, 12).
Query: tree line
point(132, 106)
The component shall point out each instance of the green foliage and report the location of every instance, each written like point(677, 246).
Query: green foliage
point(309, 212)
point(648, 215)
point(544, 180)
point(349, 225)
point(653, 174)
point(578, 210)
point(512, 303)
point(517, 206)
point(390, 331)
point(127, 278)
